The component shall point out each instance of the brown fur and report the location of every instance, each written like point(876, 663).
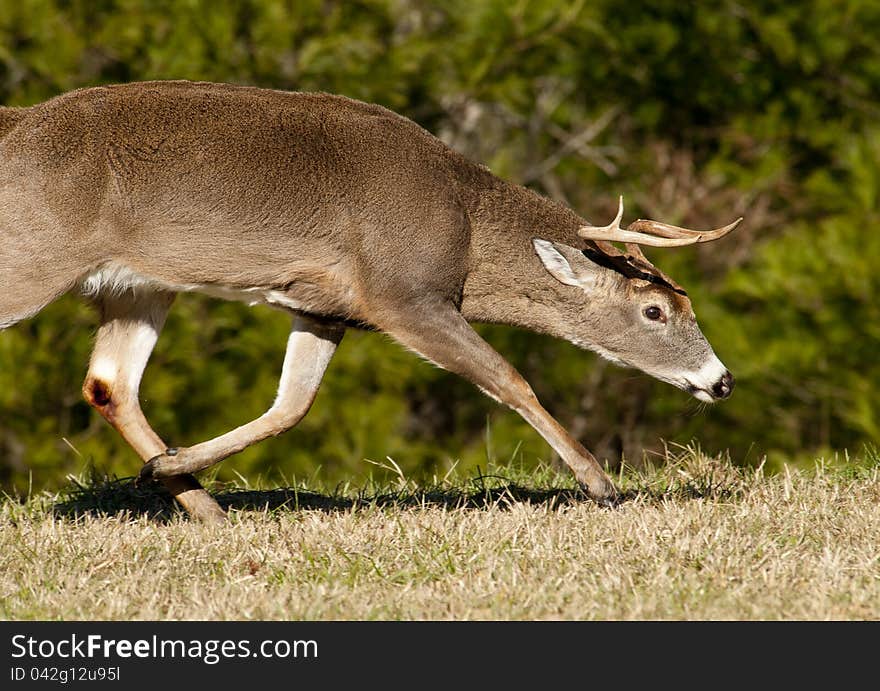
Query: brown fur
point(350, 212)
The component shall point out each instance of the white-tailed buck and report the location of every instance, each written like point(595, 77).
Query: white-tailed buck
point(343, 214)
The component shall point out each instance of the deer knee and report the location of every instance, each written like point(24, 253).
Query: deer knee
point(107, 398)
point(97, 392)
point(100, 385)
point(281, 419)
point(514, 392)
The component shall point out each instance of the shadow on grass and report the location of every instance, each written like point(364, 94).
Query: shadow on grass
point(111, 496)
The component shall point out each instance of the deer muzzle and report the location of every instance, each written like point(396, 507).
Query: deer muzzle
point(712, 382)
point(724, 386)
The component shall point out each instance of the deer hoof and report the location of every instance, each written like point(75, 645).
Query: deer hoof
point(148, 472)
point(607, 499)
point(611, 502)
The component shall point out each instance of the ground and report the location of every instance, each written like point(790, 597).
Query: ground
point(695, 539)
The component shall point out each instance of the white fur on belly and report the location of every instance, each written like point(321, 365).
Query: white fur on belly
point(114, 279)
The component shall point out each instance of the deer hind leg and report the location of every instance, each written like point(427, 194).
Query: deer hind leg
point(310, 346)
point(130, 325)
point(25, 291)
point(36, 265)
point(444, 337)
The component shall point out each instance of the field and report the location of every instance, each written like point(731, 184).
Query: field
point(696, 539)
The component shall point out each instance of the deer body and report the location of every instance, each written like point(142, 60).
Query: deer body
point(340, 212)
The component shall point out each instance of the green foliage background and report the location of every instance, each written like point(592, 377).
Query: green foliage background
point(696, 112)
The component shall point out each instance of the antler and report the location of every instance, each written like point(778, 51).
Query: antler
point(653, 233)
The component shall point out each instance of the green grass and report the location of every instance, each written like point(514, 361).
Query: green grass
point(694, 539)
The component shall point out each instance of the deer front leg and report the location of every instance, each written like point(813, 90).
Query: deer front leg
point(130, 325)
point(443, 336)
point(310, 346)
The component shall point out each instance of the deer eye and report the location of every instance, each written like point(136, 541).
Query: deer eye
point(653, 312)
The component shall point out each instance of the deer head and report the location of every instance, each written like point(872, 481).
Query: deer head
point(630, 312)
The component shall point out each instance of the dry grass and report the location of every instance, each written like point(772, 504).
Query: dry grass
point(698, 539)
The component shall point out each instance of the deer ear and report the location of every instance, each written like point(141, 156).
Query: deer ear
point(566, 264)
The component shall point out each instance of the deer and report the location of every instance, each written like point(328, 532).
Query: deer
point(341, 213)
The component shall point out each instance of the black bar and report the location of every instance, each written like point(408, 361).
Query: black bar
point(445, 654)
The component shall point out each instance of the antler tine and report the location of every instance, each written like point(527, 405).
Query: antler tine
point(614, 233)
point(615, 224)
point(668, 231)
point(600, 232)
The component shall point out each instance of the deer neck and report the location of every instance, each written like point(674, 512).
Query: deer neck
point(506, 283)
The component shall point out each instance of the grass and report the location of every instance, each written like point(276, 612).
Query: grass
point(695, 539)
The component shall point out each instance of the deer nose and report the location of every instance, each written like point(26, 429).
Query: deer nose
point(724, 386)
